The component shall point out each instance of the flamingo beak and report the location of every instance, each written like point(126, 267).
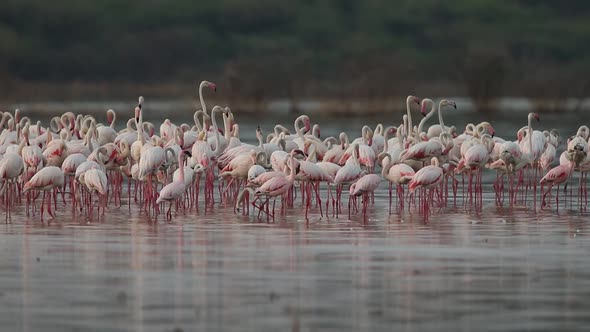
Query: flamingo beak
point(423, 109)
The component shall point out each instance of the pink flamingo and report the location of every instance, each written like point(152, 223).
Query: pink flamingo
point(349, 173)
point(557, 175)
point(427, 178)
point(400, 174)
point(174, 190)
point(11, 167)
point(473, 161)
point(310, 175)
point(277, 186)
point(48, 178)
point(96, 181)
point(365, 186)
point(533, 147)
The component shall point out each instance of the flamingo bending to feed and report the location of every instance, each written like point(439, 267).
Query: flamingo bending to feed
point(400, 174)
point(364, 186)
point(48, 178)
point(11, 167)
point(175, 189)
point(95, 180)
point(427, 178)
point(556, 176)
point(277, 186)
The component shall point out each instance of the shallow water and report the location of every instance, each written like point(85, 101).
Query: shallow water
point(218, 271)
point(497, 270)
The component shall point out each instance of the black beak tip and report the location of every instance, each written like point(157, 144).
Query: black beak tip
point(455, 106)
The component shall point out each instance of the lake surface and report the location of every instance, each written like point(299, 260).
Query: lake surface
point(498, 270)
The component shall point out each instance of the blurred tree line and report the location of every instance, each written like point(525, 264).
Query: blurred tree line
point(288, 48)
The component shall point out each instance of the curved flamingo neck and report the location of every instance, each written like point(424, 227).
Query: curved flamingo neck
point(530, 135)
point(421, 124)
point(181, 167)
point(386, 165)
point(112, 124)
point(355, 155)
point(291, 178)
point(226, 127)
point(298, 129)
point(215, 110)
point(364, 134)
point(139, 126)
point(408, 110)
point(204, 107)
point(440, 117)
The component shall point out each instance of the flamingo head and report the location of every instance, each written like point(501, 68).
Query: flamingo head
point(110, 116)
point(391, 131)
point(307, 123)
point(453, 131)
point(297, 152)
point(140, 102)
point(357, 149)
point(212, 86)
point(317, 131)
point(491, 131)
point(413, 99)
point(446, 102)
point(423, 109)
point(536, 116)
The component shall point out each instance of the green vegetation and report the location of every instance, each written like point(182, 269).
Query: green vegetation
point(293, 48)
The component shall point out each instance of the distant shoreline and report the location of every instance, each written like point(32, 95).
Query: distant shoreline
point(319, 106)
point(176, 98)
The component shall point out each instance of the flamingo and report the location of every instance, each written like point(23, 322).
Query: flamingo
point(108, 134)
point(279, 185)
point(364, 186)
point(436, 130)
point(11, 167)
point(475, 158)
point(557, 175)
point(427, 178)
point(174, 190)
point(349, 173)
point(49, 178)
point(95, 180)
point(532, 147)
point(400, 174)
point(409, 100)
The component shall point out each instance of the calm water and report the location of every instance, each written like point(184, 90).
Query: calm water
point(216, 271)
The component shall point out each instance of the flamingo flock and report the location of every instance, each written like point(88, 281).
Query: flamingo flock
point(79, 162)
